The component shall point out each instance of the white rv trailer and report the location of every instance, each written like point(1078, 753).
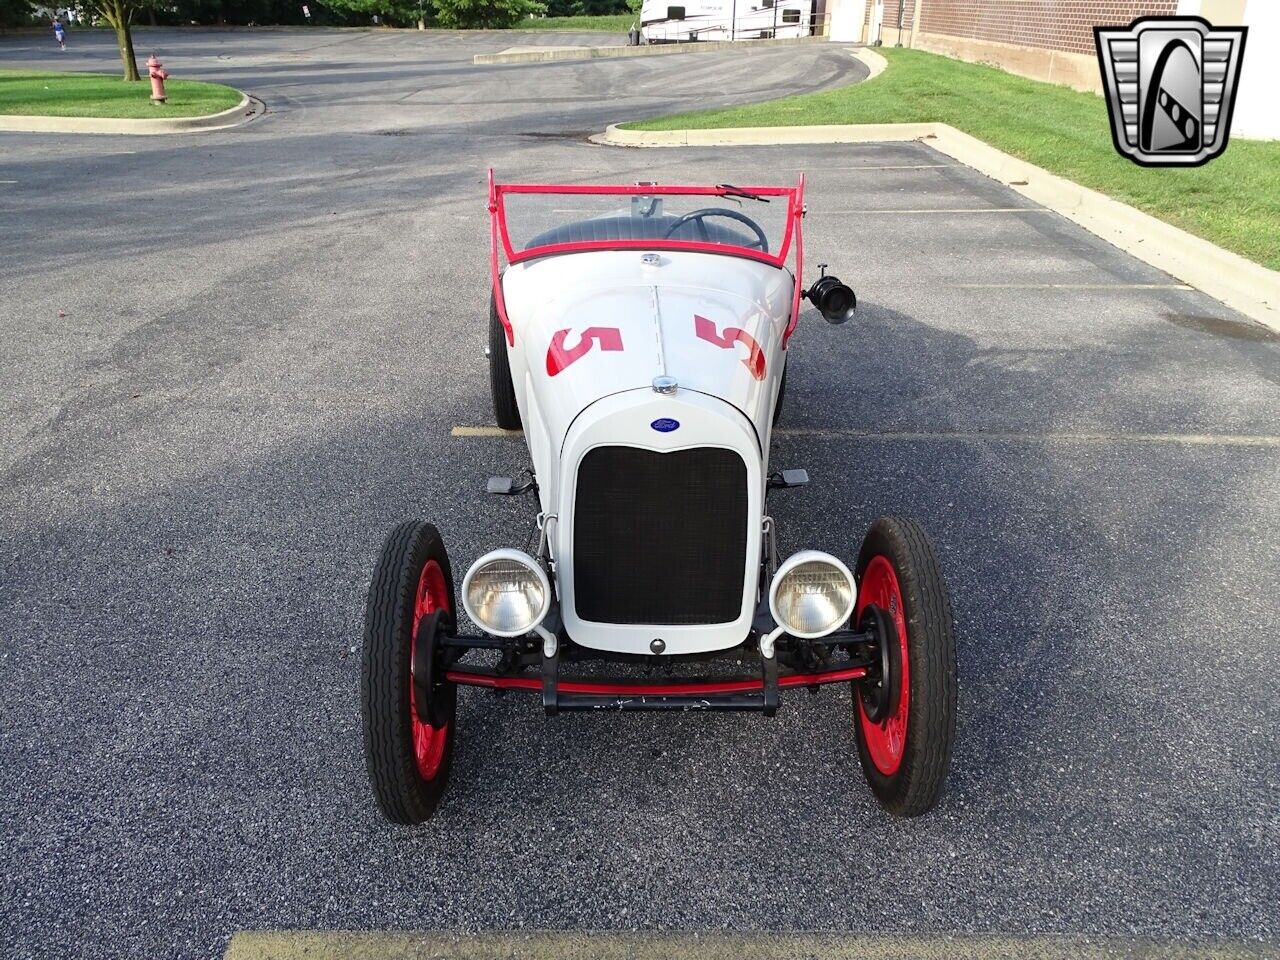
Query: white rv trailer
point(680, 21)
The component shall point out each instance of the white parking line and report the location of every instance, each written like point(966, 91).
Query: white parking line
point(894, 166)
point(710, 945)
point(912, 210)
point(1174, 439)
point(1070, 286)
point(976, 436)
point(948, 210)
point(863, 166)
point(484, 432)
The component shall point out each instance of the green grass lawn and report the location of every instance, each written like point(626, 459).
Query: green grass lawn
point(96, 95)
point(1233, 201)
point(619, 23)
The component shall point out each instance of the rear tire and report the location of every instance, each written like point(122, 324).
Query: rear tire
point(906, 755)
point(506, 413)
point(408, 760)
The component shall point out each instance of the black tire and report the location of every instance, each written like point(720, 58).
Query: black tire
point(402, 794)
point(930, 713)
point(782, 392)
point(505, 411)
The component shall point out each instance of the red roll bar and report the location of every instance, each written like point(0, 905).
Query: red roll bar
point(500, 246)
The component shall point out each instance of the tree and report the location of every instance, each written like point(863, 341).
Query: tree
point(15, 13)
point(446, 13)
point(485, 13)
point(245, 12)
point(590, 8)
point(119, 15)
point(391, 12)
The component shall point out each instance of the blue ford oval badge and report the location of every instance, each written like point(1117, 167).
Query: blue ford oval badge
point(665, 424)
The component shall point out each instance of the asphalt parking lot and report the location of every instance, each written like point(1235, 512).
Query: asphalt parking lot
point(232, 361)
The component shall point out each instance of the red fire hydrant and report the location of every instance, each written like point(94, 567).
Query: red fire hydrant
point(158, 76)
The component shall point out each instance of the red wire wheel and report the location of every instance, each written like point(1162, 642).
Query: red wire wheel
point(408, 744)
point(884, 725)
point(904, 710)
point(428, 741)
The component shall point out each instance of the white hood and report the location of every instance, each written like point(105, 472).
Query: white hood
point(593, 324)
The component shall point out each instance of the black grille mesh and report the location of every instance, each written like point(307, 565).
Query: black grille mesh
point(660, 537)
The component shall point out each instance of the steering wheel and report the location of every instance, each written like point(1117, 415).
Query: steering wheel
point(698, 216)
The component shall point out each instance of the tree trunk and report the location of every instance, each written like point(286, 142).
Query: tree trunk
point(118, 16)
point(124, 37)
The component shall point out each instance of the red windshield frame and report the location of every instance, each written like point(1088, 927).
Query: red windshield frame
point(501, 249)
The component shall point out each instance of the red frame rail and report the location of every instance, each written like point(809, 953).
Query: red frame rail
point(466, 678)
point(500, 247)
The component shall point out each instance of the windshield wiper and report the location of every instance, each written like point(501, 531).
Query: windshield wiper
point(731, 191)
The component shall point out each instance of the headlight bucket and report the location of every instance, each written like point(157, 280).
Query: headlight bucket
point(834, 300)
point(812, 594)
point(506, 593)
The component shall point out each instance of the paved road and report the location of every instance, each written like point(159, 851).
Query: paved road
point(326, 82)
point(232, 361)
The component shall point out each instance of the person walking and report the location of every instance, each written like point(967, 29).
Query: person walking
point(60, 34)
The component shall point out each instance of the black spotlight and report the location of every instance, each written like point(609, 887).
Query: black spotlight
point(834, 300)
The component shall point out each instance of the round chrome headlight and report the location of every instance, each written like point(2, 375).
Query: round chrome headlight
point(506, 593)
point(812, 594)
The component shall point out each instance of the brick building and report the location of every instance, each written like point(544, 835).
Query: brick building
point(1053, 39)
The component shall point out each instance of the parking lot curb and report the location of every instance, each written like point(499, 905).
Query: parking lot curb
point(615, 136)
point(249, 108)
point(876, 64)
point(544, 54)
point(1241, 284)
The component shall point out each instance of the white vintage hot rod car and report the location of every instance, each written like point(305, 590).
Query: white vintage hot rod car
point(642, 346)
